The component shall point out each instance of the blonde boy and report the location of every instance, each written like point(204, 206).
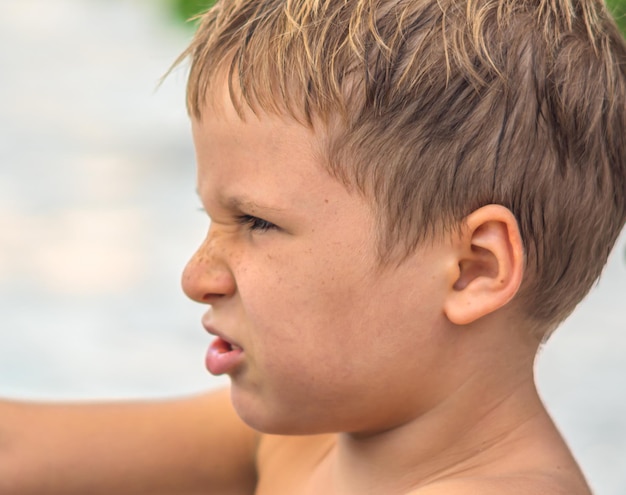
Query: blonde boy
point(405, 197)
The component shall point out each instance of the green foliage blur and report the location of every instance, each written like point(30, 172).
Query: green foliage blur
point(186, 9)
point(618, 7)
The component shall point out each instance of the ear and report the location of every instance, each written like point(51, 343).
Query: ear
point(488, 267)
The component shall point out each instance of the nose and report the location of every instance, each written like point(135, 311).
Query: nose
point(207, 277)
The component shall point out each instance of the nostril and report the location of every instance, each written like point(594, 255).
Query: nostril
point(211, 297)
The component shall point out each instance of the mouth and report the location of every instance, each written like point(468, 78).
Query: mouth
point(223, 346)
point(223, 356)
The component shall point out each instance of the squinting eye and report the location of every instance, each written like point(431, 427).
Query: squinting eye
point(254, 223)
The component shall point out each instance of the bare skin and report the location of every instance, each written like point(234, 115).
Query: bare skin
point(533, 459)
point(200, 445)
point(168, 447)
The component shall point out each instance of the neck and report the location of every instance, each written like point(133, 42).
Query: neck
point(491, 415)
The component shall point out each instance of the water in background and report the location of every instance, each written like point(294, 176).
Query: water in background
point(98, 215)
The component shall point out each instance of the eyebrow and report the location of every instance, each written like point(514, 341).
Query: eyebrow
point(243, 203)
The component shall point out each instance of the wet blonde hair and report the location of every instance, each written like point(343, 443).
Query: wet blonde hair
point(435, 108)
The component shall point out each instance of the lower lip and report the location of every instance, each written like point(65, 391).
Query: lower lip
point(221, 358)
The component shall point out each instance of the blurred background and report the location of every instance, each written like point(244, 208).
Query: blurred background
point(98, 215)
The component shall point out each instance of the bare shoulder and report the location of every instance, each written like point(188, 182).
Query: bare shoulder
point(190, 445)
point(522, 484)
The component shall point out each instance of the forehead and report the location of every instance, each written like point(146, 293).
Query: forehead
point(227, 107)
point(243, 152)
point(243, 136)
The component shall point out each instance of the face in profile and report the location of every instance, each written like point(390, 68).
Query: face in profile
point(315, 334)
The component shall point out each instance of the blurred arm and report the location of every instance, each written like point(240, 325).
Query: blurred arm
point(190, 446)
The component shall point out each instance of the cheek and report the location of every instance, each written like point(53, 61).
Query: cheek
point(294, 310)
point(333, 339)
point(302, 312)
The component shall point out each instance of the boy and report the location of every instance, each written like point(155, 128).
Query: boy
point(406, 198)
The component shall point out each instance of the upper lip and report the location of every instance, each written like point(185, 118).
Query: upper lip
point(217, 333)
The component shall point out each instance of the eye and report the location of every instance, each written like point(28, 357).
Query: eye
point(255, 223)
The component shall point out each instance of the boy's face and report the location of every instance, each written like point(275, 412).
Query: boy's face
point(331, 341)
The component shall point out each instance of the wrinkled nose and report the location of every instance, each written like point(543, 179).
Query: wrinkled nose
point(207, 276)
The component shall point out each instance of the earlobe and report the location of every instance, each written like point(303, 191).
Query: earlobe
point(489, 265)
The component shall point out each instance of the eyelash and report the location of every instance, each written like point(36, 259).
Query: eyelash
point(251, 222)
point(255, 223)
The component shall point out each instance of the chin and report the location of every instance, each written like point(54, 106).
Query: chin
point(273, 417)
